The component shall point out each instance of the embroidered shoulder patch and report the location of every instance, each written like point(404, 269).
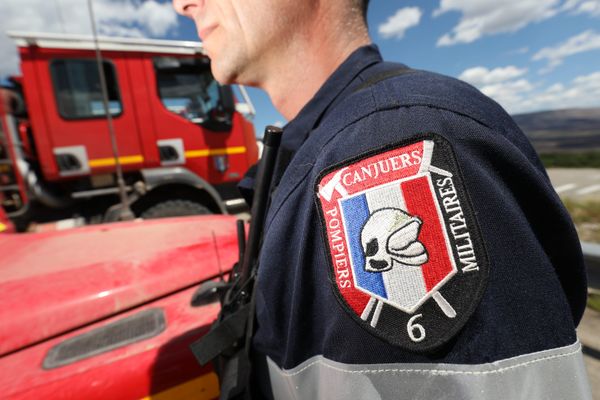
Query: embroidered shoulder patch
point(407, 259)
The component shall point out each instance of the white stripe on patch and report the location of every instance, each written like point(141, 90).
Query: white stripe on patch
point(365, 314)
point(377, 313)
point(404, 285)
point(427, 155)
point(385, 197)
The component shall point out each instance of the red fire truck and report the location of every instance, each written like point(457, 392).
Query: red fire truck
point(182, 141)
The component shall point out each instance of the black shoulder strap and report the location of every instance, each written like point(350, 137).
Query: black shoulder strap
point(395, 70)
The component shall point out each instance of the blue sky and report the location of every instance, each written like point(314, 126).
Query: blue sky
point(529, 55)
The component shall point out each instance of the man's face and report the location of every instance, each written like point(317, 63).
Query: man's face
point(242, 36)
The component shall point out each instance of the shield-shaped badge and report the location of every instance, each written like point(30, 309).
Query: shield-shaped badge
point(404, 243)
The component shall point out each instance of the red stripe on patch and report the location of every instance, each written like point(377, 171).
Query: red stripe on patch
point(420, 202)
point(356, 299)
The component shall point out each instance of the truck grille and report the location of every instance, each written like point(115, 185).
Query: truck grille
point(10, 197)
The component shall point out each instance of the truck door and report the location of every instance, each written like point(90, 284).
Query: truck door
point(77, 124)
point(194, 116)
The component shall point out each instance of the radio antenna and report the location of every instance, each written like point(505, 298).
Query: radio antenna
point(125, 213)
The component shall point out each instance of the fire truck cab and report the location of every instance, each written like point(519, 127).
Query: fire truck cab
point(182, 141)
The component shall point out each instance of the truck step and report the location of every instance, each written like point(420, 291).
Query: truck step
point(98, 192)
point(8, 188)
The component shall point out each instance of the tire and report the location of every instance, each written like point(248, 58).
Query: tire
point(20, 224)
point(174, 208)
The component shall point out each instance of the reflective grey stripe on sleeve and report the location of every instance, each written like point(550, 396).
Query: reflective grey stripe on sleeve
point(551, 374)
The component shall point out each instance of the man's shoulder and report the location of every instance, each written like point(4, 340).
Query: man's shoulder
point(396, 86)
point(395, 103)
point(409, 105)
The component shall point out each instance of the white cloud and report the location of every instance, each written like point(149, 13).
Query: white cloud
point(586, 41)
point(114, 18)
point(157, 18)
point(488, 17)
point(149, 16)
point(522, 50)
point(583, 91)
point(509, 94)
point(480, 76)
point(591, 7)
point(399, 23)
point(519, 95)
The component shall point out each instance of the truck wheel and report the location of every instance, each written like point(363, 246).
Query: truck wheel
point(175, 208)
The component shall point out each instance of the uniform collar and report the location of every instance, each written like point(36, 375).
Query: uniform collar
point(298, 129)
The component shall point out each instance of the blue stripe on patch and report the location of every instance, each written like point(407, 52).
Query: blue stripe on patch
point(356, 213)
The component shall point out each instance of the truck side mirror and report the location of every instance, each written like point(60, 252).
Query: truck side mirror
point(220, 118)
point(226, 99)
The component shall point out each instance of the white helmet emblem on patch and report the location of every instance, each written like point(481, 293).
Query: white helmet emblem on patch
point(390, 238)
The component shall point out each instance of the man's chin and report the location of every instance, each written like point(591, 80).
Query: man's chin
point(222, 78)
point(223, 72)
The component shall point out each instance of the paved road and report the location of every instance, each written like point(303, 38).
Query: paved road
point(581, 183)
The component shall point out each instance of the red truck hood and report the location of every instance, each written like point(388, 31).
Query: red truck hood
point(53, 282)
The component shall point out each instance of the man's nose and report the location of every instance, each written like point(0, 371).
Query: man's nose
point(188, 8)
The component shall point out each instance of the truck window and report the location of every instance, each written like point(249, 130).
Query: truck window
point(78, 92)
point(186, 87)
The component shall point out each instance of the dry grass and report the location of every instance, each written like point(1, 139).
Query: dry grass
point(589, 159)
point(594, 301)
point(586, 216)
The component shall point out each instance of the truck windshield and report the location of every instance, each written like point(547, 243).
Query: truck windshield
point(186, 87)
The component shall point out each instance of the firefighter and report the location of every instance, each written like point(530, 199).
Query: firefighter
point(414, 246)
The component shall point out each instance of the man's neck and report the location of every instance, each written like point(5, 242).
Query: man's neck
point(298, 74)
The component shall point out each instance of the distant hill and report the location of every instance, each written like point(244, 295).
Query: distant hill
point(572, 130)
point(579, 119)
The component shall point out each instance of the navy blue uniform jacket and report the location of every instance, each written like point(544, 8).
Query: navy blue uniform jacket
point(307, 342)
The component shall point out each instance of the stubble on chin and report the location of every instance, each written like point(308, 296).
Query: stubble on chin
point(230, 67)
point(220, 74)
